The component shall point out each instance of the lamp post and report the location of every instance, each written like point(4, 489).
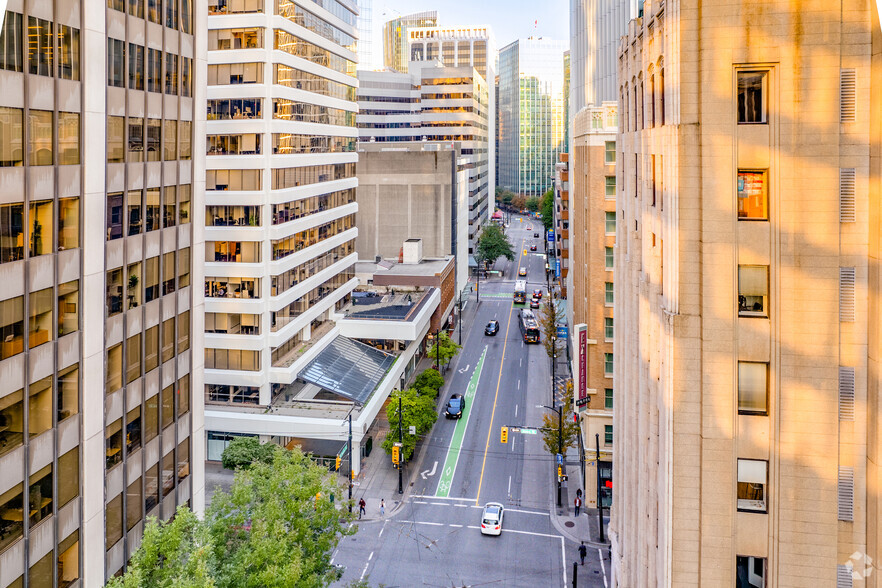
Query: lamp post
point(559, 411)
point(401, 455)
point(599, 493)
point(553, 362)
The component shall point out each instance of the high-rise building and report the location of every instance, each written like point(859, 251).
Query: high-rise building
point(747, 296)
point(596, 26)
point(100, 111)
point(531, 114)
point(395, 53)
point(366, 34)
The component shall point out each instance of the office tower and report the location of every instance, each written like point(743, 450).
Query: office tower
point(464, 46)
point(395, 55)
point(596, 27)
point(366, 34)
point(433, 103)
point(99, 428)
point(531, 114)
point(747, 306)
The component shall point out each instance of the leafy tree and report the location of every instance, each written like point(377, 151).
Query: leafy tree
point(507, 198)
point(429, 382)
point(443, 350)
point(568, 428)
point(550, 316)
point(546, 207)
point(416, 411)
point(493, 244)
point(243, 451)
point(519, 201)
point(532, 204)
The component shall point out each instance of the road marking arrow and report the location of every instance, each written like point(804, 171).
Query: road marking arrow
point(465, 369)
point(432, 473)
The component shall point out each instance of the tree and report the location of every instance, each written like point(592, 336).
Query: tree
point(532, 204)
point(429, 382)
point(507, 197)
point(416, 411)
point(549, 317)
point(493, 244)
point(443, 349)
point(243, 451)
point(546, 207)
point(519, 201)
point(568, 427)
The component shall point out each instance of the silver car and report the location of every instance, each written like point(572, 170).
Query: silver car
point(491, 518)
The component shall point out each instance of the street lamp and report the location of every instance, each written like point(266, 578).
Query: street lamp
point(559, 411)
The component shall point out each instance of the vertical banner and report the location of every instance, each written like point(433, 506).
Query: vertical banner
point(581, 336)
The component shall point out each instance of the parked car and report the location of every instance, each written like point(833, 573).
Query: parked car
point(537, 293)
point(533, 247)
point(534, 302)
point(535, 235)
point(522, 271)
point(491, 518)
point(454, 407)
point(492, 327)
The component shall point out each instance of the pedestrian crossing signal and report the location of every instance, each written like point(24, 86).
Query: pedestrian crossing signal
point(395, 454)
point(503, 435)
point(337, 463)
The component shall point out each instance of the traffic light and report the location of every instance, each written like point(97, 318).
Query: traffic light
point(395, 454)
point(503, 435)
point(337, 463)
point(559, 471)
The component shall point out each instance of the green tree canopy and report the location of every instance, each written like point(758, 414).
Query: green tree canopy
point(569, 428)
point(429, 382)
point(546, 207)
point(550, 316)
point(493, 244)
point(416, 411)
point(532, 204)
point(443, 350)
point(243, 451)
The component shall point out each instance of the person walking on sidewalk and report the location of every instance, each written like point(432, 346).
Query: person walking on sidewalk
point(382, 507)
point(361, 507)
point(583, 551)
point(578, 503)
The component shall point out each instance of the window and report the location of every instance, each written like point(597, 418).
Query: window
point(113, 443)
point(11, 500)
point(41, 128)
point(610, 223)
point(136, 139)
point(171, 14)
point(11, 56)
point(750, 572)
point(136, 67)
point(171, 73)
point(151, 418)
point(133, 292)
point(610, 293)
point(40, 323)
point(113, 375)
point(68, 307)
point(183, 331)
point(752, 107)
point(608, 398)
point(116, 137)
point(151, 348)
point(753, 290)
point(68, 223)
point(40, 48)
point(184, 207)
point(752, 479)
point(151, 279)
point(608, 329)
point(68, 53)
point(154, 69)
point(113, 522)
point(753, 387)
point(135, 211)
point(154, 130)
point(116, 60)
point(232, 359)
point(40, 228)
point(69, 560)
point(610, 187)
point(133, 358)
point(153, 11)
point(184, 267)
point(169, 207)
point(167, 407)
point(68, 138)
point(170, 145)
point(752, 195)
point(40, 496)
point(151, 488)
point(607, 434)
point(168, 273)
point(11, 327)
point(114, 293)
point(134, 504)
point(186, 76)
point(68, 476)
point(607, 364)
point(136, 8)
point(11, 424)
point(133, 429)
point(11, 231)
point(610, 152)
point(117, 5)
point(185, 16)
point(610, 258)
point(183, 459)
point(183, 395)
point(168, 473)
point(152, 217)
point(67, 393)
point(11, 141)
point(184, 127)
point(168, 340)
point(40, 409)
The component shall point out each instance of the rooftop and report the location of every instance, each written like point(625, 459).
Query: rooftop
point(396, 306)
point(426, 267)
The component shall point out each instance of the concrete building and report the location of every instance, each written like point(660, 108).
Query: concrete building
point(433, 104)
point(747, 301)
point(596, 26)
point(589, 282)
point(101, 353)
point(413, 190)
point(560, 252)
point(531, 114)
point(395, 53)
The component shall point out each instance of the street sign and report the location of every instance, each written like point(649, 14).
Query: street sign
point(343, 451)
point(412, 430)
point(529, 431)
point(562, 332)
point(559, 458)
point(582, 401)
point(550, 236)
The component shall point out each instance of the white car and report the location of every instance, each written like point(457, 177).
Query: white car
point(491, 518)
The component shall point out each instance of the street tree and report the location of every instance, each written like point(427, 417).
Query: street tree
point(546, 207)
point(551, 426)
point(443, 350)
point(417, 411)
point(532, 204)
point(519, 201)
point(243, 451)
point(429, 382)
point(549, 317)
point(493, 244)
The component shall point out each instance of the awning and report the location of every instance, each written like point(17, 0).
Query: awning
point(349, 368)
point(472, 261)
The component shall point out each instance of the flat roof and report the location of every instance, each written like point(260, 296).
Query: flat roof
point(402, 306)
point(427, 267)
point(349, 368)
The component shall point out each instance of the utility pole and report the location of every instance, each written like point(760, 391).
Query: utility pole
point(460, 318)
point(437, 354)
point(559, 410)
point(350, 462)
point(401, 455)
point(553, 362)
point(599, 503)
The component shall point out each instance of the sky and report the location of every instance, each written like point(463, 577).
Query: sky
point(510, 19)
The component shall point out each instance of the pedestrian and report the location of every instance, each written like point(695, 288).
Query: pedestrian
point(578, 503)
point(579, 493)
point(382, 507)
point(583, 551)
point(361, 507)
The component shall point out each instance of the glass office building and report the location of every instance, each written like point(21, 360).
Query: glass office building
point(395, 37)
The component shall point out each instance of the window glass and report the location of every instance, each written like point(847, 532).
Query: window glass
point(133, 429)
point(114, 291)
point(185, 16)
point(184, 267)
point(136, 212)
point(116, 63)
point(152, 217)
point(183, 331)
point(168, 272)
point(608, 398)
point(170, 146)
point(40, 574)
point(11, 52)
point(113, 443)
point(68, 392)
point(133, 358)
point(186, 76)
point(40, 48)
point(41, 327)
point(68, 53)
point(117, 5)
point(114, 218)
point(168, 339)
point(11, 424)
point(40, 408)
point(11, 232)
point(40, 227)
point(750, 572)
point(68, 223)
point(11, 501)
point(168, 473)
point(610, 187)
point(167, 406)
point(154, 70)
point(184, 204)
point(171, 14)
point(40, 497)
point(610, 293)
point(151, 279)
point(151, 417)
point(151, 488)
point(608, 329)
point(68, 307)
point(607, 364)
point(183, 459)
point(609, 258)
point(752, 97)
point(183, 395)
point(134, 504)
point(113, 377)
point(610, 222)
point(12, 326)
point(609, 152)
point(136, 67)
point(11, 152)
point(136, 8)
point(40, 131)
point(753, 290)
point(169, 206)
point(153, 11)
point(185, 143)
point(113, 521)
point(151, 348)
point(69, 560)
point(136, 139)
point(154, 131)
point(753, 384)
point(752, 479)
point(607, 434)
point(133, 283)
point(68, 476)
point(171, 73)
point(752, 195)
point(68, 138)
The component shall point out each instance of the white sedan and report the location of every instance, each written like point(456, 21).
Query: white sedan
point(491, 518)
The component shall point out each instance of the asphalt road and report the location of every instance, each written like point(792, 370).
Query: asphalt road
point(435, 538)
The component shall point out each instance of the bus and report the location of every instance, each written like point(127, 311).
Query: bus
point(520, 292)
point(529, 326)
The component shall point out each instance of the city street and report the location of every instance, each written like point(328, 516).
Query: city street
point(434, 538)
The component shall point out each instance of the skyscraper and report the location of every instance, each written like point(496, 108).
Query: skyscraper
point(531, 114)
point(395, 37)
point(99, 426)
point(366, 34)
point(596, 26)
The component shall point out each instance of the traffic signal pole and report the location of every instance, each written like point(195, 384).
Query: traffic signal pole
point(401, 455)
point(599, 494)
point(350, 462)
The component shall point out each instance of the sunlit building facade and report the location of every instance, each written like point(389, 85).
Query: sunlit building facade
point(366, 34)
point(531, 114)
point(99, 426)
point(395, 37)
point(747, 296)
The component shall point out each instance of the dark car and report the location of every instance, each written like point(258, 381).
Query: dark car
point(492, 328)
point(537, 293)
point(533, 247)
point(535, 235)
point(454, 407)
point(534, 302)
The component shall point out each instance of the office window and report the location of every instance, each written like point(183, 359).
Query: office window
point(184, 205)
point(11, 232)
point(40, 498)
point(610, 187)
point(41, 128)
point(753, 290)
point(12, 429)
point(136, 8)
point(169, 206)
point(184, 267)
point(168, 273)
point(134, 504)
point(183, 395)
point(135, 212)
point(113, 440)
point(607, 434)
point(186, 76)
point(151, 348)
point(152, 215)
point(133, 358)
point(113, 521)
point(117, 5)
point(184, 128)
point(68, 223)
point(67, 394)
point(41, 227)
point(186, 15)
point(136, 67)
point(151, 488)
point(68, 476)
point(607, 364)
point(170, 143)
point(608, 329)
point(168, 473)
point(68, 307)
point(183, 331)
point(167, 407)
point(116, 138)
point(753, 387)
point(133, 429)
point(151, 279)
point(750, 572)
point(40, 409)
point(116, 61)
point(610, 258)
point(608, 398)
point(610, 293)
point(168, 340)
point(133, 281)
point(68, 138)
point(171, 74)
point(154, 70)
point(752, 102)
point(151, 418)
point(68, 563)
point(611, 223)
point(183, 459)
point(171, 14)
point(136, 139)
point(752, 195)
point(609, 152)
point(153, 11)
point(40, 48)
point(752, 480)
point(154, 132)
point(113, 375)
point(11, 52)
point(12, 138)
point(68, 53)
point(11, 500)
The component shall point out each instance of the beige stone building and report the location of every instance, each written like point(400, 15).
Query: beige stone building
point(747, 296)
point(593, 224)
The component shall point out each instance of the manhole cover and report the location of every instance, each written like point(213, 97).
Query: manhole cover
point(569, 524)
